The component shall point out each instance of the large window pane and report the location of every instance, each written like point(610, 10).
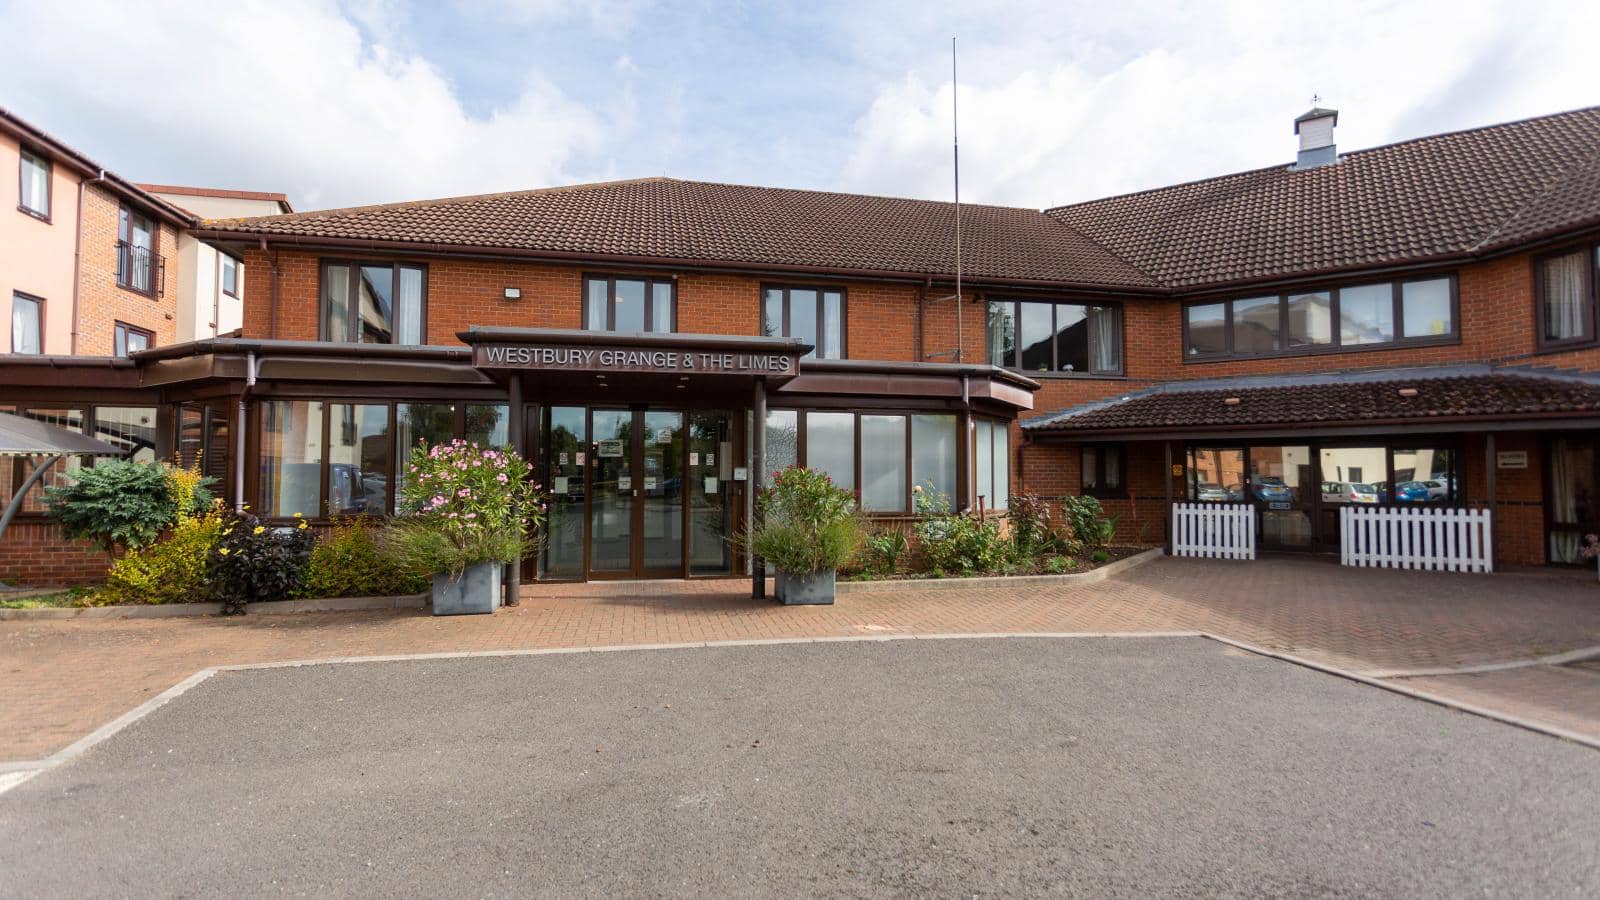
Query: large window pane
point(1366, 314)
point(70, 418)
point(883, 463)
point(1566, 314)
point(983, 461)
point(1426, 475)
point(803, 317)
point(1038, 336)
point(629, 305)
point(1256, 325)
point(375, 300)
point(772, 312)
point(1573, 494)
point(1310, 319)
point(291, 457)
point(565, 440)
point(832, 336)
point(831, 446)
point(1355, 475)
point(420, 425)
point(1072, 338)
point(358, 459)
point(408, 307)
point(1002, 327)
point(1105, 333)
point(488, 424)
point(336, 303)
point(1208, 329)
point(598, 303)
point(129, 427)
point(26, 325)
point(35, 184)
point(1425, 308)
point(933, 454)
point(1216, 474)
point(783, 440)
point(661, 314)
point(1002, 466)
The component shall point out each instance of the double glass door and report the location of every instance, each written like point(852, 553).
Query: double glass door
point(636, 493)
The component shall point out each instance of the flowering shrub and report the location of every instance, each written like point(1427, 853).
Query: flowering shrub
point(805, 523)
point(169, 571)
point(255, 562)
point(462, 505)
point(958, 543)
point(348, 563)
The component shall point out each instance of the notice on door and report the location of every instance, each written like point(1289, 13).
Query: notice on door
point(608, 449)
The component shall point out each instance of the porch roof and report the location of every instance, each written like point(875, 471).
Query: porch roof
point(22, 436)
point(1461, 398)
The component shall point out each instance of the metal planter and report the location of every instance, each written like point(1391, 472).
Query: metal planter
point(811, 589)
point(477, 591)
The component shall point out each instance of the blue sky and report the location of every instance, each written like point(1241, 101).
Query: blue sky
point(340, 103)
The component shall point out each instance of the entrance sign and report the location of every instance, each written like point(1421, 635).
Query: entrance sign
point(1511, 459)
point(625, 359)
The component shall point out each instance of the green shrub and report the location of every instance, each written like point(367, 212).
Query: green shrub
point(959, 543)
point(123, 505)
point(1089, 523)
point(169, 571)
point(885, 548)
point(463, 505)
point(1099, 556)
point(804, 523)
point(349, 563)
point(254, 562)
point(1057, 565)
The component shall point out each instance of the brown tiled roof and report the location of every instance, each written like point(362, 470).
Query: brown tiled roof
point(1363, 398)
point(1439, 196)
point(669, 219)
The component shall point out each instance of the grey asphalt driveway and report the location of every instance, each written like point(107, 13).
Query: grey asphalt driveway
point(1012, 766)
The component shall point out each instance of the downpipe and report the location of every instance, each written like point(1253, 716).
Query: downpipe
point(239, 431)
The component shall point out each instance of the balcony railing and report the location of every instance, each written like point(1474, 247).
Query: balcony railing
point(136, 268)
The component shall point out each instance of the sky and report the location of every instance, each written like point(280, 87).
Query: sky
point(370, 101)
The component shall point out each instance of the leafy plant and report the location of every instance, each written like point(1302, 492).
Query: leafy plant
point(1031, 529)
point(885, 548)
point(1099, 556)
point(1089, 522)
point(169, 571)
point(349, 563)
point(805, 523)
point(254, 562)
point(1057, 565)
point(958, 542)
point(463, 505)
point(123, 505)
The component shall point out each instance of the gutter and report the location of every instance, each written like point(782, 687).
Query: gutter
point(77, 257)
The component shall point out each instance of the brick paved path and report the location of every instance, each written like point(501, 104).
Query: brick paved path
point(64, 678)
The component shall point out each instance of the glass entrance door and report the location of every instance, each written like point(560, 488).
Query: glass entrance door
point(1282, 487)
point(636, 510)
point(658, 463)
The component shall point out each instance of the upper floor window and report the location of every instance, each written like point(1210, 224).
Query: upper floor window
point(814, 315)
point(1043, 336)
point(136, 251)
point(27, 324)
point(1566, 297)
point(132, 339)
point(374, 303)
point(35, 185)
point(1380, 314)
point(629, 304)
point(228, 274)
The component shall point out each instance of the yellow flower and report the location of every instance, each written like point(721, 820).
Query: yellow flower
point(259, 529)
point(223, 550)
point(302, 525)
point(299, 516)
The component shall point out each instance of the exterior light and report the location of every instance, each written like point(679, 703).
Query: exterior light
point(512, 293)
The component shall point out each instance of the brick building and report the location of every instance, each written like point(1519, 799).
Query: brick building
point(1411, 325)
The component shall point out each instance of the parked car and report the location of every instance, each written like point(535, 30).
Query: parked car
point(1438, 490)
point(1212, 493)
point(1348, 492)
point(1270, 489)
point(1412, 492)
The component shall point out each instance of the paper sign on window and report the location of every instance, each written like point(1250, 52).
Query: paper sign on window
point(711, 484)
point(560, 484)
point(624, 483)
point(694, 458)
point(608, 449)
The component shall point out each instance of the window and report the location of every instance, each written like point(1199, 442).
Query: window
point(27, 324)
point(34, 192)
point(14, 470)
point(831, 446)
point(933, 455)
point(883, 463)
point(1384, 314)
point(130, 339)
point(813, 315)
point(291, 458)
point(899, 452)
point(136, 252)
point(1566, 298)
point(229, 274)
point(991, 457)
point(629, 304)
point(374, 303)
point(1216, 475)
point(1100, 470)
point(358, 459)
point(1037, 336)
point(133, 428)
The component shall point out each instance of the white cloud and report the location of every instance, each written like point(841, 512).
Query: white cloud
point(290, 93)
point(1149, 97)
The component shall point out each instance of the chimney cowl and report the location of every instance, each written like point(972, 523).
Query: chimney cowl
point(1315, 128)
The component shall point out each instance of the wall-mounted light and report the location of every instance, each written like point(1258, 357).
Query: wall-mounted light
point(513, 293)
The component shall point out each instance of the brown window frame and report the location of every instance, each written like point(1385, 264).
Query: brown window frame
point(119, 335)
point(821, 291)
point(352, 307)
point(238, 267)
point(125, 247)
point(1118, 491)
point(1335, 344)
point(26, 153)
point(1591, 335)
point(649, 282)
point(910, 510)
point(1015, 363)
point(42, 307)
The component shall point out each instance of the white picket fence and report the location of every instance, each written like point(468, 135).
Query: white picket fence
point(1454, 540)
point(1214, 530)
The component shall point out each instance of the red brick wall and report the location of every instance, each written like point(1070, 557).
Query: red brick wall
point(36, 553)
point(101, 303)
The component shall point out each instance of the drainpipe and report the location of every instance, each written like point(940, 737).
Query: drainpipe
point(964, 425)
point(239, 430)
point(77, 258)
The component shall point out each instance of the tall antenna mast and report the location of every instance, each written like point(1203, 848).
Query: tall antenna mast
point(955, 157)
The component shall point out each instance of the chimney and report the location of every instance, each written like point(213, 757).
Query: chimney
point(1315, 129)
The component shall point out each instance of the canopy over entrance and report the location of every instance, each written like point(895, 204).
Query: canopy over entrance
point(21, 436)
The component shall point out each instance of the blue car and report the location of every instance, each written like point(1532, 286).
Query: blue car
point(1270, 489)
point(1411, 492)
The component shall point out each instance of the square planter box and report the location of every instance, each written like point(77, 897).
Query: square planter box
point(813, 589)
point(476, 591)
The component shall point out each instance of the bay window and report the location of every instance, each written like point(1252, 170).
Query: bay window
point(813, 315)
point(889, 455)
point(629, 304)
point(374, 303)
point(1358, 316)
point(1061, 338)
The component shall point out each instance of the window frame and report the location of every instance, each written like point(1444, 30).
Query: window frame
point(24, 155)
point(611, 280)
point(1015, 363)
point(1591, 335)
point(907, 457)
point(353, 288)
point(1335, 313)
point(119, 337)
point(822, 312)
point(125, 222)
point(89, 426)
point(40, 307)
point(1101, 451)
point(224, 256)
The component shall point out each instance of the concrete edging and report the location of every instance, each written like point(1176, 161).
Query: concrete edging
point(988, 581)
point(169, 610)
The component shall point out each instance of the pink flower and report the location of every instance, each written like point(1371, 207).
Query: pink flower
point(501, 478)
point(464, 492)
